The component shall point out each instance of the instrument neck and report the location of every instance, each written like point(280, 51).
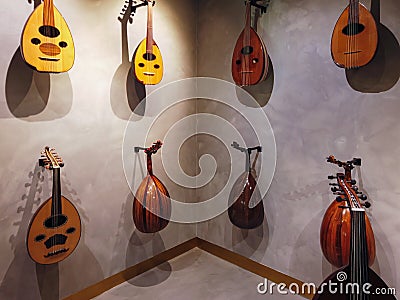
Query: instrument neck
point(149, 164)
point(149, 37)
point(248, 17)
point(359, 254)
point(354, 11)
point(48, 13)
point(56, 208)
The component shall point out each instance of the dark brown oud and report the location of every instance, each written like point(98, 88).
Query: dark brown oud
point(152, 205)
point(355, 37)
point(250, 58)
point(336, 225)
point(55, 228)
point(246, 209)
point(356, 281)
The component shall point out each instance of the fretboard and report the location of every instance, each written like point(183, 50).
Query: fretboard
point(48, 13)
point(56, 208)
point(359, 254)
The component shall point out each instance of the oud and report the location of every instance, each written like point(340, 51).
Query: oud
point(358, 281)
point(55, 228)
point(355, 37)
point(152, 205)
point(246, 210)
point(250, 58)
point(46, 42)
point(335, 228)
point(147, 60)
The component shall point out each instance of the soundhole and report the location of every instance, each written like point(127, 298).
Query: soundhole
point(39, 238)
point(141, 65)
point(55, 221)
point(353, 29)
point(58, 239)
point(247, 50)
point(71, 230)
point(35, 41)
point(238, 62)
point(149, 56)
point(63, 44)
point(255, 60)
point(156, 66)
point(49, 31)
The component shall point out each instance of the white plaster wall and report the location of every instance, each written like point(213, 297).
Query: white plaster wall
point(314, 112)
point(84, 119)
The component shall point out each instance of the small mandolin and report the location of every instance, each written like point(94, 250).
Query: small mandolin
point(152, 205)
point(250, 58)
point(356, 281)
point(246, 210)
point(46, 42)
point(55, 228)
point(335, 228)
point(147, 60)
point(355, 37)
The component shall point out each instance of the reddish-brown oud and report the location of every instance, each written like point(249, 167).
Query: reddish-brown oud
point(250, 58)
point(152, 205)
point(355, 280)
point(246, 209)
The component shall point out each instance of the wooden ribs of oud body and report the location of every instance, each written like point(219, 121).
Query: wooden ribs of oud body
point(151, 206)
point(37, 249)
point(44, 53)
point(352, 51)
point(335, 236)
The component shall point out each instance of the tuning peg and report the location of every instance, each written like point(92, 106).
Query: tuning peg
point(333, 184)
point(330, 177)
point(339, 199)
point(367, 204)
point(334, 189)
point(352, 182)
point(363, 197)
point(339, 193)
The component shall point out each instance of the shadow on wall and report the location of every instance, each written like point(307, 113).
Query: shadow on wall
point(126, 92)
point(28, 92)
point(261, 92)
point(143, 246)
point(22, 268)
point(306, 251)
point(247, 242)
point(383, 72)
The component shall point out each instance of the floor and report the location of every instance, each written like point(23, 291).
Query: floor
point(194, 275)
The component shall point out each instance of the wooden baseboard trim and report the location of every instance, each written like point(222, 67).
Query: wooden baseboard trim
point(218, 251)
point(127, 274)
point(250, 265)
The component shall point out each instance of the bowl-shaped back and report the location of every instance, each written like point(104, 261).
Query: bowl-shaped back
point(151, 206)
point(246, 208)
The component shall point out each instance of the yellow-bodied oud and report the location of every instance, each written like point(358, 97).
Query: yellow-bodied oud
point(46, 42)
point(147, 60)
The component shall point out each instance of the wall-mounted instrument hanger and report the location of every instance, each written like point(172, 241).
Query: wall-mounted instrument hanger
point(152, 205)
point(246, 209)
point(130, 8)
point(55, 228)
point(335, 228)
